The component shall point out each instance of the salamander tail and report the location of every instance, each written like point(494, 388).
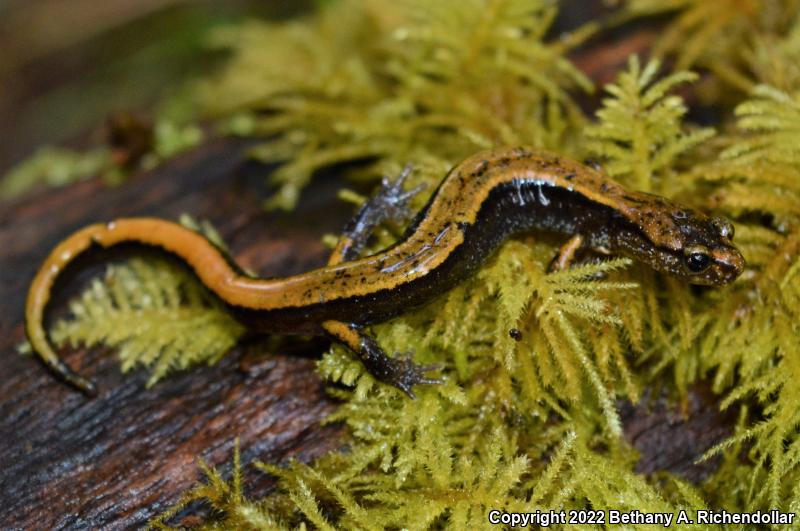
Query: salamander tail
point(200, 254)
point(39, 296)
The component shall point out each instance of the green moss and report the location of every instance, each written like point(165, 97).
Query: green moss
point(521, 425)
point(52, 166)
point(739, 41)
point(155, 312)
point(639, 134)
point(392, 82)
point(56, 167)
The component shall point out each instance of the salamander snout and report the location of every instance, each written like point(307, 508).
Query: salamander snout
point(727, 264)
point(712, 259)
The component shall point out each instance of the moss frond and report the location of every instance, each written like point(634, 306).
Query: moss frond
point(156, 313)
point(761, 169)
point(752, 344)
point(574, 338)
point(772, 117)
point(455, 489)
point(225, 497)
point(369, 81)
point(640, 132)
point(773, 59)
point(755, 343)
point(171, 138)
point(55, 167)
point(718, 35)
point(205, 228)
point(52, 166)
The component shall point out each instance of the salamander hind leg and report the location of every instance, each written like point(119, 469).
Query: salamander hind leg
point(390, 203)
point(400, 372)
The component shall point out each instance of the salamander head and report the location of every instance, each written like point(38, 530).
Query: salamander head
point(690, 245)
point(709, 256)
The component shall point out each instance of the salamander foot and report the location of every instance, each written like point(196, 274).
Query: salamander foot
point(404, 374)
point(399, 371)
point(391, 202)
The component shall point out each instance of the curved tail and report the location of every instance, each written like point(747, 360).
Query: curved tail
point(202, 255)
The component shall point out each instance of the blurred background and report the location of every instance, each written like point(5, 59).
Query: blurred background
point(66, 65)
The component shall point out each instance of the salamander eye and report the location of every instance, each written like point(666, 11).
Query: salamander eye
point(697, 258)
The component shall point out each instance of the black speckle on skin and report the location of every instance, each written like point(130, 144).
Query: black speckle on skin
point(569, 176)
point(594, 164)
point(604, 188)
point(635, 200)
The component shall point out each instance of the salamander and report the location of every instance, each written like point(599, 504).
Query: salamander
point(481, 202)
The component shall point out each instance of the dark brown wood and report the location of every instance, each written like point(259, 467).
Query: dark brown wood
point(67, 462)
point(673, 437)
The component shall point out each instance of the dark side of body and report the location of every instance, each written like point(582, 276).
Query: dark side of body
point(480, 203)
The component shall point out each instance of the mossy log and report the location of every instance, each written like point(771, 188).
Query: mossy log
point(115, 461)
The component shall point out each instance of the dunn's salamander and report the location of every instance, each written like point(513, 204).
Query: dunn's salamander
point(482, 201)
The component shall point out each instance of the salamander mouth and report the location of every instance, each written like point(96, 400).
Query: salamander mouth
point(709, 281)
point(729, 263)
point(726, 268)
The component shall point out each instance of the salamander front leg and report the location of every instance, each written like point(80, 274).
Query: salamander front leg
point(400, 372)
point(566, 254)
point(573, 252)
